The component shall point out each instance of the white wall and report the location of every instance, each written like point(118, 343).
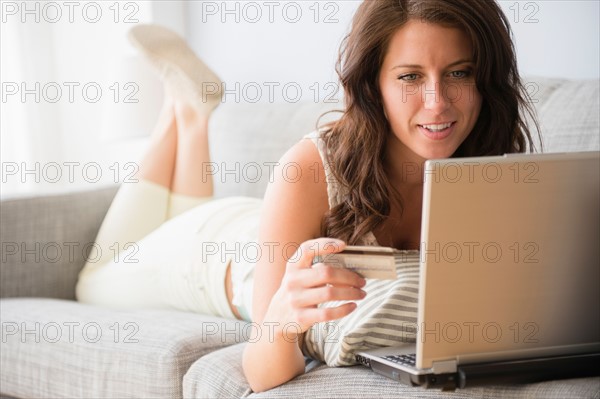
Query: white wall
point(255, 42)
point(292, 47)
point(556, 38)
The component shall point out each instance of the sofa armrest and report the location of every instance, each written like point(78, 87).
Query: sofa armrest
point(45, 241)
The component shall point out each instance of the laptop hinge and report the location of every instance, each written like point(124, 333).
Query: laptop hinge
point(444, 366)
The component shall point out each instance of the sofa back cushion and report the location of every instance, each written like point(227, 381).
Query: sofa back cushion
point(248, 139)
point(568, 112)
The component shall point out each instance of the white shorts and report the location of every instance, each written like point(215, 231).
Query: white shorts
point(156, 249)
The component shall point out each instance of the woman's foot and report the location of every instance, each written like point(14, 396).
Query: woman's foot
point(184, 75)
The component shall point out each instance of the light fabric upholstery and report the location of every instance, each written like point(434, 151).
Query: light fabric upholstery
point(569, 114)
point(220, 375)
point(246, 138)
point(63, 349)
point(56, 229)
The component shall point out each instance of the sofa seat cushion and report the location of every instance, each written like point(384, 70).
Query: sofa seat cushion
point(220, 375)
point(63, 349)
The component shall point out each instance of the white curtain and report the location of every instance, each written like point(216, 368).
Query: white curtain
point(61, 67)
point(26, 119)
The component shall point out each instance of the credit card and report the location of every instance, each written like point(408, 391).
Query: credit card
point(368, 261)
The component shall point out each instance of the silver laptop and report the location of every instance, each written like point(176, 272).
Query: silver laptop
point(510, 273)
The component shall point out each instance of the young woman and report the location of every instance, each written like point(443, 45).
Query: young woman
point(422, 79)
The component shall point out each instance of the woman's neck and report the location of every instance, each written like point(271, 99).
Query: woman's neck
point(404, 167)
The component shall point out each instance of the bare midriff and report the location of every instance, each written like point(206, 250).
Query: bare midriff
point(229, 292)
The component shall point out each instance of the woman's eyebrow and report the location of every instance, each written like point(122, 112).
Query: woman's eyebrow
point(417, 66)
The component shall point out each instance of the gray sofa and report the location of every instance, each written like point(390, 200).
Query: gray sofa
point(55, 347)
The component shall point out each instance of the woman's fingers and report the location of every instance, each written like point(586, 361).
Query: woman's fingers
point(308, 250)
point(314, 296)
point(307, 284)
point(304, 273)
point(321, 274)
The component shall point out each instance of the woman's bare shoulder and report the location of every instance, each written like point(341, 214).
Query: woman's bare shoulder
point(297, 194)
point(301, 172)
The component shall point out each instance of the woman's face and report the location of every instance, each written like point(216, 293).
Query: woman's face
point(428, 88)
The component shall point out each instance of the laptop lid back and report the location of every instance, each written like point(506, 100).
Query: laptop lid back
point(510, 260)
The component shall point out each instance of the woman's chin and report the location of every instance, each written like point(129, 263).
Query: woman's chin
point(436, 153)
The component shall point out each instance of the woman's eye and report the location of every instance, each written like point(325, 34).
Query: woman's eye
point(409, 77)
point(460, 74)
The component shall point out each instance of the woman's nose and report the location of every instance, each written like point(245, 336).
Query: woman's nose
point(434, 97)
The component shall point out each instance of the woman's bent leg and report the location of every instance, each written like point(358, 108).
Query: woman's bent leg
point(163, 262)
point(193, 155)
point(190, 186)
point(141, 206)
point(182, 264)
point(138, 209)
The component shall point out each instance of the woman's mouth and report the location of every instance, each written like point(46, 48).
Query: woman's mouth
point(437, 131)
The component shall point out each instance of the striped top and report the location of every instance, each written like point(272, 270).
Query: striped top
point(387, 316)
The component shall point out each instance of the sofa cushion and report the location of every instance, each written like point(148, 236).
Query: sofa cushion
point(568, 113)
point(63, 349)
point(246, 140)
point(220, 375)
point(45, 241)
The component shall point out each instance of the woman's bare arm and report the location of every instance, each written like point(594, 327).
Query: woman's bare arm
point(287, 291)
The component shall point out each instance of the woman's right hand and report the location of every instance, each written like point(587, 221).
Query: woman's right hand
point(305, 284)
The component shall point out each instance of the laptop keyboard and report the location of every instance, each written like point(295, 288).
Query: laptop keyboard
point(404, 360)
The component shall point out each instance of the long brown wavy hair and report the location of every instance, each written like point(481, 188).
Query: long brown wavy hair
point(356, 142)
